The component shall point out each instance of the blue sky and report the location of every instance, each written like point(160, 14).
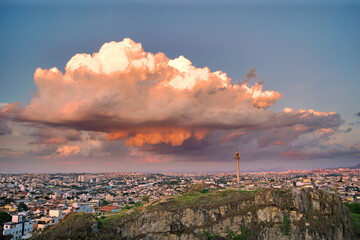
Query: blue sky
point(309, 51)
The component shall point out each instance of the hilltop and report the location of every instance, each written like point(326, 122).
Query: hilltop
point(223, 214)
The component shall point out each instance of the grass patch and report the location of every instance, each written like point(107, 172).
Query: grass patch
point(73, 226)
point(355, 216)
point(206, 200)
point(111, 221)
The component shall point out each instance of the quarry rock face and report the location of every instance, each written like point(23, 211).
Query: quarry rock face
point(224, 214)
point(293, 214)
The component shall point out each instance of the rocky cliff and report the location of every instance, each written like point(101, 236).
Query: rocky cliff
point(225, 214)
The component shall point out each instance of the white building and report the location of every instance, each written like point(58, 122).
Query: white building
point(54, 217)
point(56, 213)
point(84, 196)
point(83, 208)
point(109, 198)
point(18, 228)
point(44, 222)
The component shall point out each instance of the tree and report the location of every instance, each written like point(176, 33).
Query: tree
point(4, 217)
point(104, 203)
point(4, 201)
point(22, 207)
point(145, 199)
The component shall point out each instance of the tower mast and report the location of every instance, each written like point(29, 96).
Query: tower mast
point(237, 157)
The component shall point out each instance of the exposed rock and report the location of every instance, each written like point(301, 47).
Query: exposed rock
point(267, 214)
point(265, 220)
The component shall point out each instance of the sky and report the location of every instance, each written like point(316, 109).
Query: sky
point(178, 86)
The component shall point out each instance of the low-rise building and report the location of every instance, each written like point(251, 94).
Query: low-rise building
point(18, 228)
point(107, 209)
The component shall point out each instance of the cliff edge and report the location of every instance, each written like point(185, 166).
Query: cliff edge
point(223, 214)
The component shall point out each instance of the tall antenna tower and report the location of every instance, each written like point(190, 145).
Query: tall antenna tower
point(237, 158)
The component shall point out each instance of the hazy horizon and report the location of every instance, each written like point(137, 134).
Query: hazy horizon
point(273, 169)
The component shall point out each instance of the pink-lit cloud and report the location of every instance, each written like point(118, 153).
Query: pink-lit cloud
point(124, 98)
point(66, 150)
point(48, 135)
point(122, 88)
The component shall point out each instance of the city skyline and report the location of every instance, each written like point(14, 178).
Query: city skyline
point(114, 88)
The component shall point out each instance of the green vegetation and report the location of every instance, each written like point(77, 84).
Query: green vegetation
point(104, 203)
point(4, 217)
point(216, 206)
point(74, 226)
point(145, 199)
point(243, 236)
point(210, 235)
point(22, 207)
point(353, 207)
point(203, 199)
point(109, 221)
point(355, 216)
point(4, 201)
point(285, 227)
point(138, 204)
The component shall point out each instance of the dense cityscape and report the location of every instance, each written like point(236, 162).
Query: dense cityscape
point(36, 201)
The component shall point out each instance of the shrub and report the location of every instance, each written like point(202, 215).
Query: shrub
point(285, 227)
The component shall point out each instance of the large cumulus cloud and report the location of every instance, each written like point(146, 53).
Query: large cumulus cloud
point(145, 97)
point(148, 100)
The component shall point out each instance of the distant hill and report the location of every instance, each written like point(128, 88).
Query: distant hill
point(355, 167)
point(223, 214)
point(274, 169)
